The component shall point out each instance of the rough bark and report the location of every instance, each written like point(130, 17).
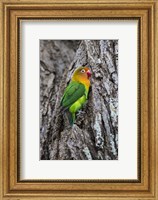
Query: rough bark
point(94, 136)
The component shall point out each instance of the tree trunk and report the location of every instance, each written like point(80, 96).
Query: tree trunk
point(94, 136)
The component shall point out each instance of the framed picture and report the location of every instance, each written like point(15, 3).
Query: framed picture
point(79, 100)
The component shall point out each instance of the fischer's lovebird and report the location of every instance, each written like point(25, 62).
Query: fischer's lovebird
point(76, 93)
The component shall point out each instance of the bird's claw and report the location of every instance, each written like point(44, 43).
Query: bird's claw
point(80, 112)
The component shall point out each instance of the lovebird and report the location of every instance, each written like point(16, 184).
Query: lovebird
point(76, 93)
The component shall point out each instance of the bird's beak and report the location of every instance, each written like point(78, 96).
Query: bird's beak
point(89, 73)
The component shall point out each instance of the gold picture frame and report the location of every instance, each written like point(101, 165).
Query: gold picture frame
point(145, 11)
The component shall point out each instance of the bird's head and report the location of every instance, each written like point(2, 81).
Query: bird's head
point(82, 72)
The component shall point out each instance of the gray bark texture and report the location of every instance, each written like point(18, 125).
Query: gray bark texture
point(94, 136)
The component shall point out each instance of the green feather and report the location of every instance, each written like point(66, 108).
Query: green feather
point(74, 98)
point(73, 92)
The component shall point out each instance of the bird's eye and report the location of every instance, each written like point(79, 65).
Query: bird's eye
point(83, 71)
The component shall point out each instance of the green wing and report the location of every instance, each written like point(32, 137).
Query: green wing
point(73, 92)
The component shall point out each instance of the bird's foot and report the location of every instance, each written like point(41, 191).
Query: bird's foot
point(80, 112)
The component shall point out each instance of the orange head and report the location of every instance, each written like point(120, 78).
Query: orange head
point(82, 75)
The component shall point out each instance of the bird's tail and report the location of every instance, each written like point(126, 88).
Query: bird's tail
point(71, 117)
